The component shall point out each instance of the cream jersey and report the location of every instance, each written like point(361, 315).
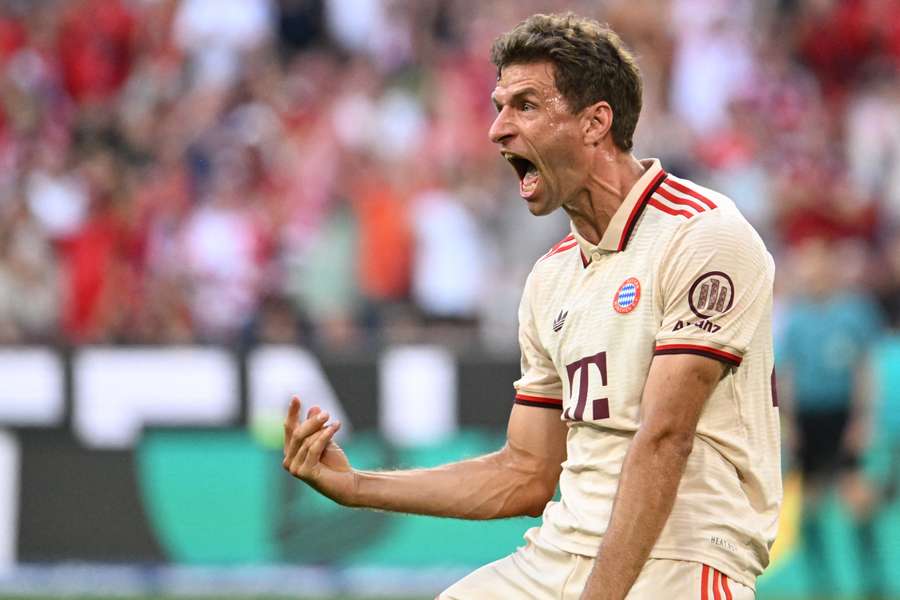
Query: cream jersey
point(678, 270)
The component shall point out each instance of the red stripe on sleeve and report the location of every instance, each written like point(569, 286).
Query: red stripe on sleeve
point(704, 584)
point(565, 240)
point(699, 350)
point(686, 190)
point(672, 211)
point(564, 248)
point(557, 249)
point(538, 401)
point(662, 191)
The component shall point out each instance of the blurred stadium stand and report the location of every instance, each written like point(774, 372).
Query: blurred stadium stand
point(208, 205)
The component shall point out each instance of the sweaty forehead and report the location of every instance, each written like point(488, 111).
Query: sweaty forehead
point(517, 77)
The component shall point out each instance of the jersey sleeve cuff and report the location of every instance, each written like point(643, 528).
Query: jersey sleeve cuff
point(538, 401)
point(725, 356)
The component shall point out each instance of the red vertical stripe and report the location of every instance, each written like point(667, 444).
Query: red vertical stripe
point(716, 585)
point(725, 586)
point(704, 584)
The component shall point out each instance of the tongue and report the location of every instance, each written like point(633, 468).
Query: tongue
point(528, 185)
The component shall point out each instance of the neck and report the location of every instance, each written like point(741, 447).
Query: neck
point(607, 184)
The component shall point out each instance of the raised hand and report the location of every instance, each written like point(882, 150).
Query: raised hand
point(311, 456)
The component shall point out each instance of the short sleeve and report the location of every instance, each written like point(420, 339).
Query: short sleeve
point(715, 287)
point(540, 384)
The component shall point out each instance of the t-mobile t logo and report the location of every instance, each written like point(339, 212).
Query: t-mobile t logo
point(600, 406)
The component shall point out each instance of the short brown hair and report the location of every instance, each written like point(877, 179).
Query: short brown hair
point(590, 61)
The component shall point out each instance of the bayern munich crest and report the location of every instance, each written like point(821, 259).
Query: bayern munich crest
point(627, 296)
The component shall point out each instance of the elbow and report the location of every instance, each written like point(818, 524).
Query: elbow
point(539, 493)
point(536, 507)
point(677, 445)
point(526, 497)
point(531, 485)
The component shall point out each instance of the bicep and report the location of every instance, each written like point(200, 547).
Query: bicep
point(536, 439)
point(676, 390)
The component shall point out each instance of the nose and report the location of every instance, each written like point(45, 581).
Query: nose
point(501, 129)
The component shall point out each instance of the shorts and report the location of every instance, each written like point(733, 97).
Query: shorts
point(539, 571)
point(820, 451)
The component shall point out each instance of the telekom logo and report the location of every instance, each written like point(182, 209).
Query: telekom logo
point(600, 406)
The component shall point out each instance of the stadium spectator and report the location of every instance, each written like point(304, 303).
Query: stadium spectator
point(28, 277)
point(218, 34)
point(325, 105)
point(872, 144)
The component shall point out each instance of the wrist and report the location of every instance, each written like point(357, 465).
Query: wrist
point(351, 498)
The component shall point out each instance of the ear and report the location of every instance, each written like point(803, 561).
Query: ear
point(596, 122)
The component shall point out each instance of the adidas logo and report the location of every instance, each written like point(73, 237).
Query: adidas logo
point(560, 320)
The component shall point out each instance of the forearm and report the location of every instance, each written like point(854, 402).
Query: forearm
point(646, 494)
point(488, 487)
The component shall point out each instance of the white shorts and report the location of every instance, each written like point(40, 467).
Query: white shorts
point(539, 571)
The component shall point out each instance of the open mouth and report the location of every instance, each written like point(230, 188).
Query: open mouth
point(528, 173)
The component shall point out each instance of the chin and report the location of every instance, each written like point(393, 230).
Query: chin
point(540, 208)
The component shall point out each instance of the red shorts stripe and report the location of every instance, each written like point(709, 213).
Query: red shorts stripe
point(699, 350)
point(704, 584)
point(725, 586)
point(716, 594)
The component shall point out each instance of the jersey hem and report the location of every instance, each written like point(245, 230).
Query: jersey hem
point(714, 561)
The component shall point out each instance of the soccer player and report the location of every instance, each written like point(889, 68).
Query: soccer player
point(647, 366)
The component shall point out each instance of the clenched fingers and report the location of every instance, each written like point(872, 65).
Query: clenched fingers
point(319, 443)
point(310, 453)
point(301, 447)
point(315, 421)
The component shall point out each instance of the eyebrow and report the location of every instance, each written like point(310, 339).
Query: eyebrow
point(517, 95)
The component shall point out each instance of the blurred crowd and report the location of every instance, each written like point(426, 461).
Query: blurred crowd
point(318, 171)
